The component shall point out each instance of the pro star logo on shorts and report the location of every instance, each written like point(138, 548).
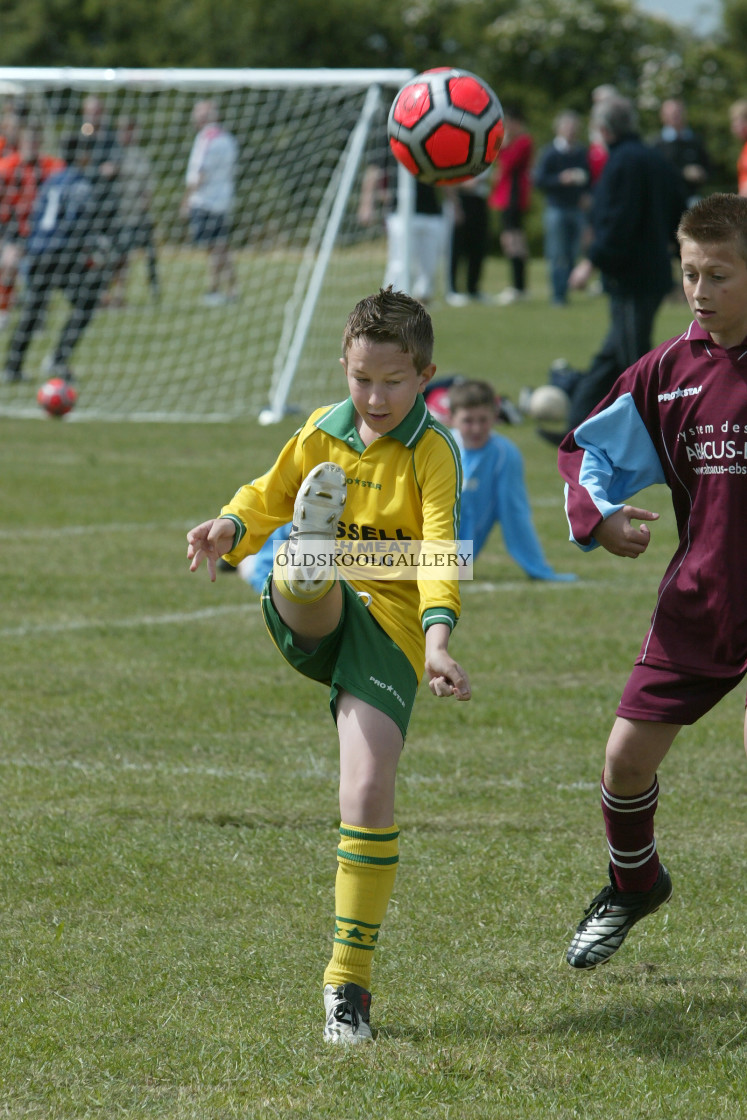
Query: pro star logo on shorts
point(387, 688)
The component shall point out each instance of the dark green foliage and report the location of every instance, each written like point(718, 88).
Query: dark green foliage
point(542, 54)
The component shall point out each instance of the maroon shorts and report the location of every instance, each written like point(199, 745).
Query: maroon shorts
point(667, 696)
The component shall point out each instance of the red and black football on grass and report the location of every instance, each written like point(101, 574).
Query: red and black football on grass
point(57, 397)
point(445, 126)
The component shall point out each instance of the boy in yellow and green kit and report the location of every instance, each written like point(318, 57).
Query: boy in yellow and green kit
point(372, 470)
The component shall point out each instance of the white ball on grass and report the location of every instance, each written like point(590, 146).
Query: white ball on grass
point(549, 404)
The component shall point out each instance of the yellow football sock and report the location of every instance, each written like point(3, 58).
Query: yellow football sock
point(366, 868)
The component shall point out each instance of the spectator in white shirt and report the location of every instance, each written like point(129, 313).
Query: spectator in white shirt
point(208, 199)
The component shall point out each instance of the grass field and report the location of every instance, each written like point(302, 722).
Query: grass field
point(169, 812)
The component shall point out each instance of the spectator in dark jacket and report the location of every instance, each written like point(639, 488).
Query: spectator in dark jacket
point(562, 174)
point(638, 201)
point(65, 251)
point(683, 147)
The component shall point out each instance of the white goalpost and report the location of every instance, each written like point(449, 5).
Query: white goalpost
point(303, 249)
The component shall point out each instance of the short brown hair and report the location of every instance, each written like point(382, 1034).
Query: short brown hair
point(471, 394)
point(389, 316)
point(716, 219)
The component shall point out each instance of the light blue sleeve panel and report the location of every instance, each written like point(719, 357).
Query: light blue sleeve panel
point(618, 459)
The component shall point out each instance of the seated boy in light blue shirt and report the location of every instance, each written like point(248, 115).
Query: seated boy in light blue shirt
point(494, 491)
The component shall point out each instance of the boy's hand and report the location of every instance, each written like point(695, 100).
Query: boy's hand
point(620, 537)
point(446, 677)
point(208, 542)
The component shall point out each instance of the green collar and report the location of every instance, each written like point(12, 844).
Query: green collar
point(339, 421)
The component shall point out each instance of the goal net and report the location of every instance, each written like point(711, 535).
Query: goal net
point(160, 345)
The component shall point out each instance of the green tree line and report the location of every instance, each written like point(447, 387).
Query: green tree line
point(542, 54)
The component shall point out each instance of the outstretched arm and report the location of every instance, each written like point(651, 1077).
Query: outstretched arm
point(209, 541)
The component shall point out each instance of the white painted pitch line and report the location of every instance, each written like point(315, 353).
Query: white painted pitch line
point(142, 527)
point(120, 765)
point(172, 618)
point(111, 767)
point(84, 530)
point(179, 618)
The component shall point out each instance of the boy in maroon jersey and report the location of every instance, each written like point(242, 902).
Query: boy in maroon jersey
point(677, 416)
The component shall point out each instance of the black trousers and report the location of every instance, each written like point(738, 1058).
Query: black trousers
point(82, 284)
point(469, 242)
point(628, 339)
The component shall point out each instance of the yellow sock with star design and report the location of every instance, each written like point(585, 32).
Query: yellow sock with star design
point(366, 868)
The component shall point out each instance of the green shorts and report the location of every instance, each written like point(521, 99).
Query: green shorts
point(357, 657)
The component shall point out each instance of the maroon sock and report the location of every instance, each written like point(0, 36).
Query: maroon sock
point(629, 822)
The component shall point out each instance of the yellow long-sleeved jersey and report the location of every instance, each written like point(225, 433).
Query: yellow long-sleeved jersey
point(405, 485)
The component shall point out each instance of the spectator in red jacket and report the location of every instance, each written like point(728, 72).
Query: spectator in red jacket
point(22, 171)
point(510, 196)
point(11, 118)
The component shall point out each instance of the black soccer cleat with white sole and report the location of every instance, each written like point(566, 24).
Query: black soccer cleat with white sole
point(610, 917)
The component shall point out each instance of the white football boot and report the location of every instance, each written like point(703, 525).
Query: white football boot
point(347, 1009)
point(320, 503)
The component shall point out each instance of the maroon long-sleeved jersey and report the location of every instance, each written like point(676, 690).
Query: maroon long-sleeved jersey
point(679, 417)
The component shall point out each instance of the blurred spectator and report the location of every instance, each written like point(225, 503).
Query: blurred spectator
point(468, 208)
point(104, 164)
point(738, 118)
point(22, 172)
point(598, 152)
point(208, 199)
point(598, 94)
point(683, 147)
point(65, 251)
point(562, 174)
point(11, 119)
point(135, 228)
point(637, 205)
point(427, 239)
point(510, 196)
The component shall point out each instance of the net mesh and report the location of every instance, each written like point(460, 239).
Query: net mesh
point(176, 353)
